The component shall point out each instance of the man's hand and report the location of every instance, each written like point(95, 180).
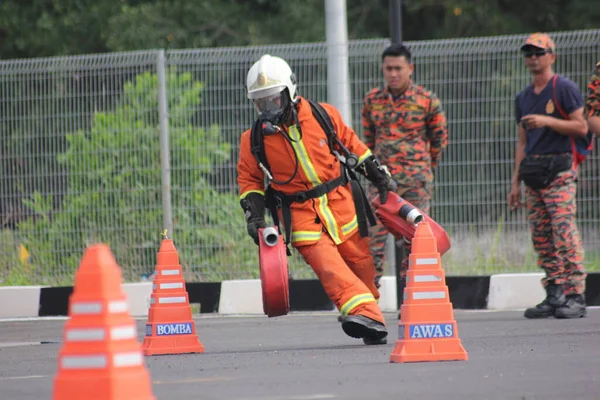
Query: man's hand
point(379, 176)
point(514, 197)
point(534, 121)
point(253, 225)
point(254, 212)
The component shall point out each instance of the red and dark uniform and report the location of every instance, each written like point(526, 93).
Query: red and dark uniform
point(407, 134)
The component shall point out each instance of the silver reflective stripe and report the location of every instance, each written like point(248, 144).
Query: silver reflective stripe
point(86, 307)
point(427, 278)
point(123, 332)
point(428, 295)
point(83, 362)
point(130, 359)
point(168, 300)
point(118, 306)
point(427, 261)
point(170, 272)
point(85, 335)
point(178, 285)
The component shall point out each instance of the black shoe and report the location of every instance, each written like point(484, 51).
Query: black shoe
point(574, 307)
point(374, 341)
point(340, 318)
point(554, 299)
point(359, 326)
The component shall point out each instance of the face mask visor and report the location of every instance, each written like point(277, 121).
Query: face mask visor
point(272, 107)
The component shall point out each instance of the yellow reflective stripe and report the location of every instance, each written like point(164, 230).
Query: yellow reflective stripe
point(301, 236)
point(355, 302)
point(243, 195)
point(311, 173)
point(364, 156)
point(350, 226)
point(305, 162)
point(330, 222)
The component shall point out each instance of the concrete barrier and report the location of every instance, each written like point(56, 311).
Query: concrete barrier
point(138, 297)
point(515, 291)
point(241, 297)
point(19, 301)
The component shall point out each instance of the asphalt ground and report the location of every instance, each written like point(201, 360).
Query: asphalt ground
point(307, 357)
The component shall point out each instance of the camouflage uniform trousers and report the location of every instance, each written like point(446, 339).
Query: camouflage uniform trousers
point(419, 195)
point(554, 233)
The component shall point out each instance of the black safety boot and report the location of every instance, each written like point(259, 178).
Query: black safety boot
point(359, 326)
point(370, 341)
point(555, 297)
point(573, 307)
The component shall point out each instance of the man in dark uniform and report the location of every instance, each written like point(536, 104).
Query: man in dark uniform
point(544, 162)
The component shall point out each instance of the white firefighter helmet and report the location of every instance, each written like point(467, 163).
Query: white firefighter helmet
point(269, 76)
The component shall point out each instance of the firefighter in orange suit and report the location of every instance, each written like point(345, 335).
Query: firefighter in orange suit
point(288, 164)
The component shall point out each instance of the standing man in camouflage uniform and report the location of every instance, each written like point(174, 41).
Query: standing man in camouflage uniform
point(592, 104)
point(405, 127)
point(544, 162)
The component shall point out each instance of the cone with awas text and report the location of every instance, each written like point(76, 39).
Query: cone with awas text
point(101, 358)
point(170, 328)
point(427, 330)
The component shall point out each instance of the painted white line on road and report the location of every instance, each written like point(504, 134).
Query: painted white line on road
point(291, 397)
point(193, 380)
point(18, 344)
point(10, 378)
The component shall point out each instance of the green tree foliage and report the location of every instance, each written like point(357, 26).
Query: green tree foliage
point(116, 197)
point(58, 27)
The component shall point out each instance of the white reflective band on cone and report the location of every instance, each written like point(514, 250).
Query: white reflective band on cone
point(83, 362)
point(86, 307)
point(178, 285)
point(428, 295)
point(129, 359)
point(84, 334)
point(118, 306)
point(123, 332)
point(427, 261)
point(169, 272)
point(427, 278)
point(168, 300)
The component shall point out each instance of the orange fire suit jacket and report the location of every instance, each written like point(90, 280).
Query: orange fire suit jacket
point(334, 212)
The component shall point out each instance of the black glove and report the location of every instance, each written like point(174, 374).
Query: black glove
point(254, 211)
point(379, 176)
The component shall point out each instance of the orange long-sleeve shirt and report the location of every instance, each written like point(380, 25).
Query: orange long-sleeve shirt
point(333, 212)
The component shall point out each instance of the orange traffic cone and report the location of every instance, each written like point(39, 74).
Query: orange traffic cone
point(170, 328)
point(427, 329)
point(101, 358)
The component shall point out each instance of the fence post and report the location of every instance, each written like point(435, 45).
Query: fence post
point(165, 162)
point(338, 82)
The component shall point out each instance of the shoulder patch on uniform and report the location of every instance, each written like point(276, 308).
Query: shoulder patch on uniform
point(550, 107)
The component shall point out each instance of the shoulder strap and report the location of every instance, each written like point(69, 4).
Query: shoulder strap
point(556, 103)
point(576, 157)
point(324, 120)
point(257, 145)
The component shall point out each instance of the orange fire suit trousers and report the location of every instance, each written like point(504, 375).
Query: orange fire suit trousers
point(347, 274)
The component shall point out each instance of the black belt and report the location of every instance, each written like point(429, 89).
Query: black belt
point(276, 199)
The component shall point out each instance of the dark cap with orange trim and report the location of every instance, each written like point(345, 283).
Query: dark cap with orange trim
point(539, 40)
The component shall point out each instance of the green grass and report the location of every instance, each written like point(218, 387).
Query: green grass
point(472, 253)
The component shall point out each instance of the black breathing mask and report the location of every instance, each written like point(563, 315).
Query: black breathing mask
point(273, 111)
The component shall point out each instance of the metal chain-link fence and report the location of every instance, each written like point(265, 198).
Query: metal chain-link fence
point(83, 139)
